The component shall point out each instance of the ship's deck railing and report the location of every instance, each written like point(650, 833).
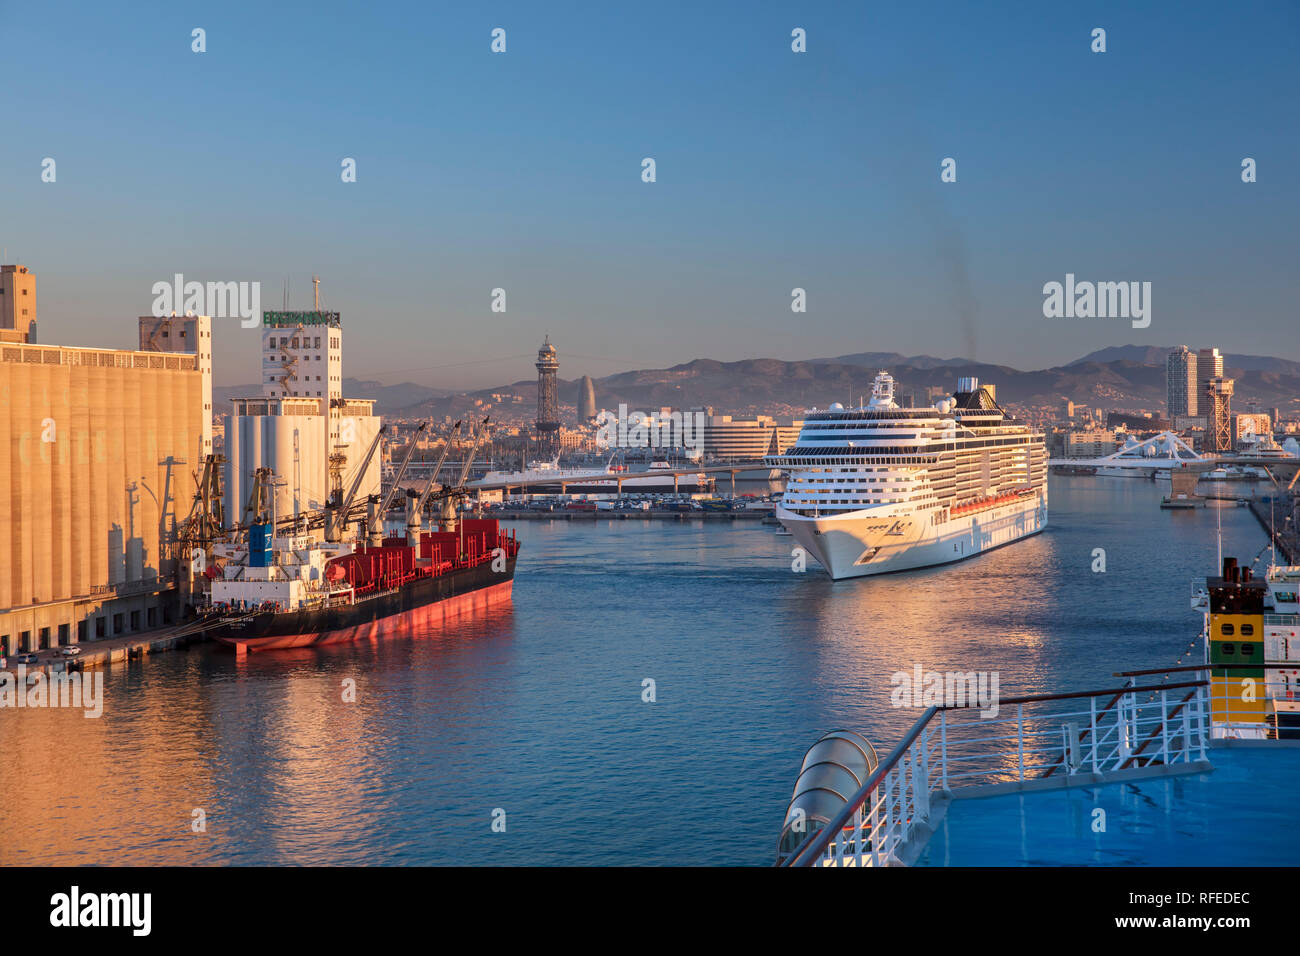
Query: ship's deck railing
point(1285, 620)
point(1247, 707)
point(1031, 743)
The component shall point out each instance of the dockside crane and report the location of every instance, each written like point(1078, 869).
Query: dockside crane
point(259, 498)
point(202, 526)
point(375, 516)
point(338, 511)
point(416, 501)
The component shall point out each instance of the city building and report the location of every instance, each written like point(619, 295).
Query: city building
point(1139, 422)
point(17, 304)
point(1181, 397)
point(746, 439)
point(1184, 423)
point(300, 421)
point(97, 447)
point(1209, 365)
point(302, 355)
point(586, 399)
point(1246, 426)
point(184, 334)
point(1093, 443)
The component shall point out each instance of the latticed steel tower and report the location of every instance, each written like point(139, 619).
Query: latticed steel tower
point(548, 398)
point(1218, 414)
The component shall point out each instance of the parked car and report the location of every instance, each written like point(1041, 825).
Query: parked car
point(25, 658)
point(72, 650)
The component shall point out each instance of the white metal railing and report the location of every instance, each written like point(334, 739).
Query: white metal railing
point(1252, 700)
point(958, 752)
point(1252, 712)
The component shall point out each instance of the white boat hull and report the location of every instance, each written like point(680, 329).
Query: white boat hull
point(880, 540)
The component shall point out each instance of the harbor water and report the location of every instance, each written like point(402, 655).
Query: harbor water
point(529, 736)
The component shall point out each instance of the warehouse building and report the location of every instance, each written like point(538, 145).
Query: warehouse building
point(96, 451)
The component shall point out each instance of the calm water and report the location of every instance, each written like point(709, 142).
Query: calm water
point(537, 708)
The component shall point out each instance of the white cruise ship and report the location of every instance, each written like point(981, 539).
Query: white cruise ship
point(882, 488)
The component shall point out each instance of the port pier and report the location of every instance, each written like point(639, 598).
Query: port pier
point(107, 651)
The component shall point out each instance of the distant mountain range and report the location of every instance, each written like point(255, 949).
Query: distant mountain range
point(890, 359)
point(387, 397)
point(1126, 377)
point(1137, 354)
point(1150, 355)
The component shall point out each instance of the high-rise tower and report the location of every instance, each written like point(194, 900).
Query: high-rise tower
point(586, 399)
point(1180, 383)
point(1209, 365)
point(548, 397)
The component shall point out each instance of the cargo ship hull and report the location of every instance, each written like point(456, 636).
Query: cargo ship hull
point(425, 602)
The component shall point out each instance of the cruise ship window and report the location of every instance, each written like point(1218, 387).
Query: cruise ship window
point(1229, 650)
point(1247, 650)
point(1226, 630)
point(1247, 630)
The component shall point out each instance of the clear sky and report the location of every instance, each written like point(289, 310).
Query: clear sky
point(522, 171)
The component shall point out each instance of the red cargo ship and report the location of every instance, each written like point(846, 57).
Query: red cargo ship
point(367, 592)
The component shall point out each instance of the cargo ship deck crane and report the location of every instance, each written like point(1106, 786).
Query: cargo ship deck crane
point(338, 512)
point(416, 501)
point(375, 517)
point(448, 496)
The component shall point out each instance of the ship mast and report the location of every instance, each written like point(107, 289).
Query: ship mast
point(1218, 520)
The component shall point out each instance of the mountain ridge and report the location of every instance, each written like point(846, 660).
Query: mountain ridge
point(1108, 379)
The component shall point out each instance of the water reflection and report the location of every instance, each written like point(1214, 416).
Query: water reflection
point(536, 706)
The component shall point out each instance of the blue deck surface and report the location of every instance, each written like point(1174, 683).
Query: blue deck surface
point(1241, 814)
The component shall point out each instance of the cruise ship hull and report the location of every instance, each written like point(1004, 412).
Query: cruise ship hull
point(878, 541)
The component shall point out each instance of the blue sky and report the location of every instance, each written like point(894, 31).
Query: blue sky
point(775, 170)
